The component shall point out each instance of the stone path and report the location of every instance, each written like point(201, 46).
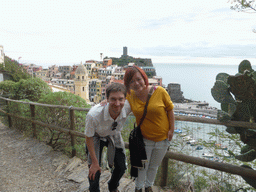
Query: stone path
point(29, 165)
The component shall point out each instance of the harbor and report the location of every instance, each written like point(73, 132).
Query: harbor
point(196, 109)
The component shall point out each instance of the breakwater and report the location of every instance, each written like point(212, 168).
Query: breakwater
point(195, 109)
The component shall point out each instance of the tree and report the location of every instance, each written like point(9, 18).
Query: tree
point(243, 5)
point(14, 69)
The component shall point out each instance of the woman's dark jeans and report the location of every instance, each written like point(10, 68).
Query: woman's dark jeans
point(117, 173)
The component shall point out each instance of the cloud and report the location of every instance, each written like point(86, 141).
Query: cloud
point(55, 32)
point(200, 50)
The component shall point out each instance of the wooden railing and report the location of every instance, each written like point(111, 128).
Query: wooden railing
point(233, 169)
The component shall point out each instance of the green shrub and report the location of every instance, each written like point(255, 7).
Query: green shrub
point(60, 117)
point(32, 89)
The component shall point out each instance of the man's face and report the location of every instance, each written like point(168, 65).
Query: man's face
point(116, 102)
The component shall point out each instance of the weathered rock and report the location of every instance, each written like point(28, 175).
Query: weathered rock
point(79, 174)
point(72, 163)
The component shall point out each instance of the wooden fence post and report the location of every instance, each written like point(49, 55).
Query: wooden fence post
point(164, 172)
point(72, 127)
point(9, 117)
point(33, 114)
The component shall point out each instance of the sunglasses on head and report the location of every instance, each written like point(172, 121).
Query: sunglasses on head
point(114, 125)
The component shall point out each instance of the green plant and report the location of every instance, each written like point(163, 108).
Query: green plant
point(32, 89)
point(7, 87)
point(60, 118)
point(237, 95)
point(15, 70)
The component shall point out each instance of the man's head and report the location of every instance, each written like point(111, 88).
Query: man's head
point(116, 93)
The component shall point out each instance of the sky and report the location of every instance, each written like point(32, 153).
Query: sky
point(67, 32)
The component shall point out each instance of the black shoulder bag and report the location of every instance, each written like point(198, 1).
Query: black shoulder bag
point(138, 155)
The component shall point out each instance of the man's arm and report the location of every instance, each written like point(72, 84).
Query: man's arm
point(94, 167)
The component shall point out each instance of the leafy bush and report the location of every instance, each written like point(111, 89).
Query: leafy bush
point(23, 110)
point(14, 69)
point(60, 117)
point(7, 87)
point(32, 89)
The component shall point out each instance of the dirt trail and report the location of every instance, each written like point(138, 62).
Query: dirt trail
point(27, 165)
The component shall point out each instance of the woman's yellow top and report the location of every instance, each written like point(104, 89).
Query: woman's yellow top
point(155, 126)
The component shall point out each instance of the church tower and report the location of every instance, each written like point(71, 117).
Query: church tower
point(82, 82)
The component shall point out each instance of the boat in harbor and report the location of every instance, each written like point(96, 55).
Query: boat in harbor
point(187, 138)
point(177, 131)
point(193, 142)
point(208, 155)
point(199, 147)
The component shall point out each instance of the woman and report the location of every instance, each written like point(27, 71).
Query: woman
point(158, 126)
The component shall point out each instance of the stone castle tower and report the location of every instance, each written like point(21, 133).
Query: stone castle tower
point(82, 82)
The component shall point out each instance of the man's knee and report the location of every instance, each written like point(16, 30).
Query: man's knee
point(94, 184)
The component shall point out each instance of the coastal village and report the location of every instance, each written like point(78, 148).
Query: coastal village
point(89, 80)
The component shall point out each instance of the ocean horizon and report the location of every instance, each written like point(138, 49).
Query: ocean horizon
point(196, 80)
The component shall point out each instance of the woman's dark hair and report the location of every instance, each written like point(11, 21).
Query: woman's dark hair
point(115, 87)
point(130, 72)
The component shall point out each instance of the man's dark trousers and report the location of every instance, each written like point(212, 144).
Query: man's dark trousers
point(119, 170)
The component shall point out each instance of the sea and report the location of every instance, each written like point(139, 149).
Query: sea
point(196, 80)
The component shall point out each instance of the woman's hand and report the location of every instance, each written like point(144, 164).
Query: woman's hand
point(170, 134)
point(171, 122)
point(104, 102)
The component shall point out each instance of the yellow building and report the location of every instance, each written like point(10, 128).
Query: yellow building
point(94, 73)
point(89, 67)
point(82, 82)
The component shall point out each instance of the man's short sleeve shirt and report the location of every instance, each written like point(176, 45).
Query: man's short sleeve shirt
point(98, 120)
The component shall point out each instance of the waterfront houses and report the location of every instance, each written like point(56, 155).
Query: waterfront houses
point(90, 79)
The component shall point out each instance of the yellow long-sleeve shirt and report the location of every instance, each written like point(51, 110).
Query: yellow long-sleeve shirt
point(155, 126)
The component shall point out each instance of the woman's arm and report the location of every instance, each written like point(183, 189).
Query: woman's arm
point(171, 118)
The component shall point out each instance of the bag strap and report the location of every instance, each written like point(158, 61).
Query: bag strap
point(146, 106)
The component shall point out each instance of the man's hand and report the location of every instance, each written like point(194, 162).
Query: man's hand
point(94, 168)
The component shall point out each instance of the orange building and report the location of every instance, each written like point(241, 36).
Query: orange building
point(107, 62)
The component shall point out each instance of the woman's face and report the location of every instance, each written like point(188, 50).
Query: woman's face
point(137, 83)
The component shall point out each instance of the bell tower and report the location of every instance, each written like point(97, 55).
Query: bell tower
point(82, 82)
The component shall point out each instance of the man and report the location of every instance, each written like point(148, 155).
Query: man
point(103, 128)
